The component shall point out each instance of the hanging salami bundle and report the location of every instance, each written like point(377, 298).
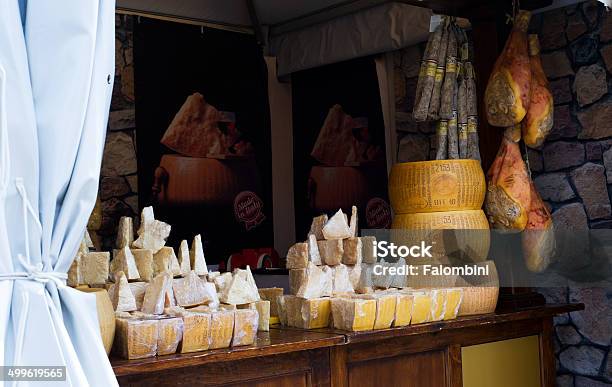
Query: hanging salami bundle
point(427, 75)
point(507, 95)
point(434, 104)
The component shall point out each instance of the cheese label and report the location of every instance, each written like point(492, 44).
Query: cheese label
point(443, 128)
point(431, 68)
point(472, 124)
point(439, 74)
point(451, 64)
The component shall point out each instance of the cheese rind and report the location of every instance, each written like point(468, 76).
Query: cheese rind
point(246, 322)
point(403, 309)
point(183, 258)
point(316, 228)
point(454, 298)
point(156, 294)
point(144, 263)
point(197, 328)
point(421, 307)
point(170, 334)
point(167, 257)
point(196, 256)
point(135, 339)
point(125, 232)
point(271, 294)
point(353, 314)
point(124, 261)
point(368, 252)
point(318, 282)
point(263, 310)
point(354, 222)
point(297, 256)
point(439, 304)
point(190, 290)
point(341, 281)
point(385, 308)
point(337, 227)
point(221, 329)
point(331, 251)
point(352, 251)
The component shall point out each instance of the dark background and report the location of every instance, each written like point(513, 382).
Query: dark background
point(172, 61)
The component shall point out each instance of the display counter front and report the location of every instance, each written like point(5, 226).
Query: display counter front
point(500, 349)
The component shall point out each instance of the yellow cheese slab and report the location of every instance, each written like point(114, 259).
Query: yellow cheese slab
point(353, 314)
point(439, 304)
point(245, 327)
point(170, 334)
point(403, 309)
point(454, 297)
point(421, 307)
point(221, 329)
point(385, 308)
point(196, 332)
point(316, 312)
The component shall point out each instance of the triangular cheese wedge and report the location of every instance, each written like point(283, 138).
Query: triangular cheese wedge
point(87, 239)
point(75, 277)
point(222, 281)
point(313, 250)
point(316, 228)
point(144, 263)
point(211, 293)
point(189, 291)
point(317, 282)
point(354, 223)
point(124, 261)
point(341, 281)
point(196, 255)
point(152, 233)
point(240, 290)
point(125, 232)
point(156, 295)
point(252, 284)
point(123, 300)
point(183, 258)
point(165, 260)
point(336, 227)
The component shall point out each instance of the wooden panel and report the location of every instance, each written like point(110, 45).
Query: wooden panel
point(419, 370)
point(508, 363)
point(300, 380)
point(547, 354)
point(454, 367)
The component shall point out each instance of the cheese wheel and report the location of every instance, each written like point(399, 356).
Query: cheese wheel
point(455, 236)
point(437, 185)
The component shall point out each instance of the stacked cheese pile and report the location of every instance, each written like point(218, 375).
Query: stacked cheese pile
point(331, 275)
point(166, 304)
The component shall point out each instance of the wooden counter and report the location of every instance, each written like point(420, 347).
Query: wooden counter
point(422, 355)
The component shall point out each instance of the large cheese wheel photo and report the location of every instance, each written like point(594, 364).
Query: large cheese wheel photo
point(455, 236)
point(437, 185)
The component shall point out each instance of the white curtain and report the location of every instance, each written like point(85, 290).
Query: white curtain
point(56, 77)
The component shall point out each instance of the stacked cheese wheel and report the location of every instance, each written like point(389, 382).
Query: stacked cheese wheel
point(431, 197)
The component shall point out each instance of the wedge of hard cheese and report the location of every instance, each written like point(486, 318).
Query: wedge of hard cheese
point(296, 279)
point(337, 227)
point(331, 251)
point(242, 289)
point(403, 309)
point(318, 282)
point(124, 261)
point(316, 228)
point(341, 281)
point(170, 334)
point(263, 310)
point(157, 294)
point(353, 314)
point(125, 232)
point(135, 339)
point(152, 233)
point(196, 256)
point(454, 297)
point(138, 290)
point(271, 294)
point(385, 308)
point(297, 256)
point(183, 258)
point(95, 268)
point(313, 250)
point(221, 329)
point(306, 314)
point(190, 290)
point(422, 307)
point(165, 258)
point(246, 322)
point(144, 263)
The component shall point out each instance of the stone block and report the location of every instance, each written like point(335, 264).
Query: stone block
point(590, 84)
point(595, 120)
point(590, 182)
point(554, 187)
point(583, 359)
point(559, 155)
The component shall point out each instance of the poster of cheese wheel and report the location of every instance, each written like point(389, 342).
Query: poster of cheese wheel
point(203, 135)
point(339, 144)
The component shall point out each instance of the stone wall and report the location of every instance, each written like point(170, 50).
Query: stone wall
point(118, 181)
point(573, 173)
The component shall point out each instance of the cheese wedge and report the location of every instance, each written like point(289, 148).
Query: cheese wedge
point(87, 240)
point(138, 290)
point(271, 294)
point(341, 281)
point(221, 329)
point(183, 258)
point(263, 310)
point(125, 232)
point(368, 252)
point(316, 228)
point(352, 251)
point(365, 284)
point(353, 314)
point(439, 304)
point(197, 330)
point(144, 263)
point(121, 295)
point(196, 256)
point(156, 295)
point(315, 313)
point(353, 224)
point(331, 251)
point(421, 307)
point(383, 279)
point(166, 256)
point(211, 294)
point(313, 250)
point(210, 277)
point(246, 322)
point(170, 334)
point(190, 290)
point(318, 282)
point(398, 280)
point(242, 289)
point(135, 339)
point(337, 227)
point(152, 233)
point(403, 309)
point(222, 281)
point(296, 279)
point(124, 261)
point(454, 297)
point(74, 272)
point(385, 308)
point(297, 256)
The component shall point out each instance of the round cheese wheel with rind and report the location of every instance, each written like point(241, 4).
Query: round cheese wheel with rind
point(455, 236)
point(436, 186)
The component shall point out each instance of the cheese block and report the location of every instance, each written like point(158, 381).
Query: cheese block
point(353, 314)
point(144, 263)
point(242, 288)
point(365, 283)
point(221, 329)
point(297, 256)
point(162, 262)
point(190, 290)
point(222, 281)
point(282, 308)
point(197, 330)
point(421, 307)
point(210, 277)
point(383, 279)
point(152, 233)
point(155, 298)
point(316, 228)
point(263, 310)
point(125, 232)
point(271, 294)
point(121, 295)
point(318, 282)
point(124, 261)
point(439, 304)
point(368, 252)
point(354, 273)
point(454, 296)
point(354, 222)
point(170, 334)
point(211, 294)
point(135, 339)
point(399, 280)
point(352, 251)
point(313, 250)
point(183, 258)
point(246, 323)
point(403, 309)
point(74, 272)
point(196, 256)
point(306, 314)
point(296, 279)
point(331, 251)
point(169, 299)
point(166, 256)
point(385, 308)
point(291, 310)
point(138, 290)
point(341, 281)
point(337, 227)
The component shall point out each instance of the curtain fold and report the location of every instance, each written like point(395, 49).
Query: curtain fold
point(58, 61)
